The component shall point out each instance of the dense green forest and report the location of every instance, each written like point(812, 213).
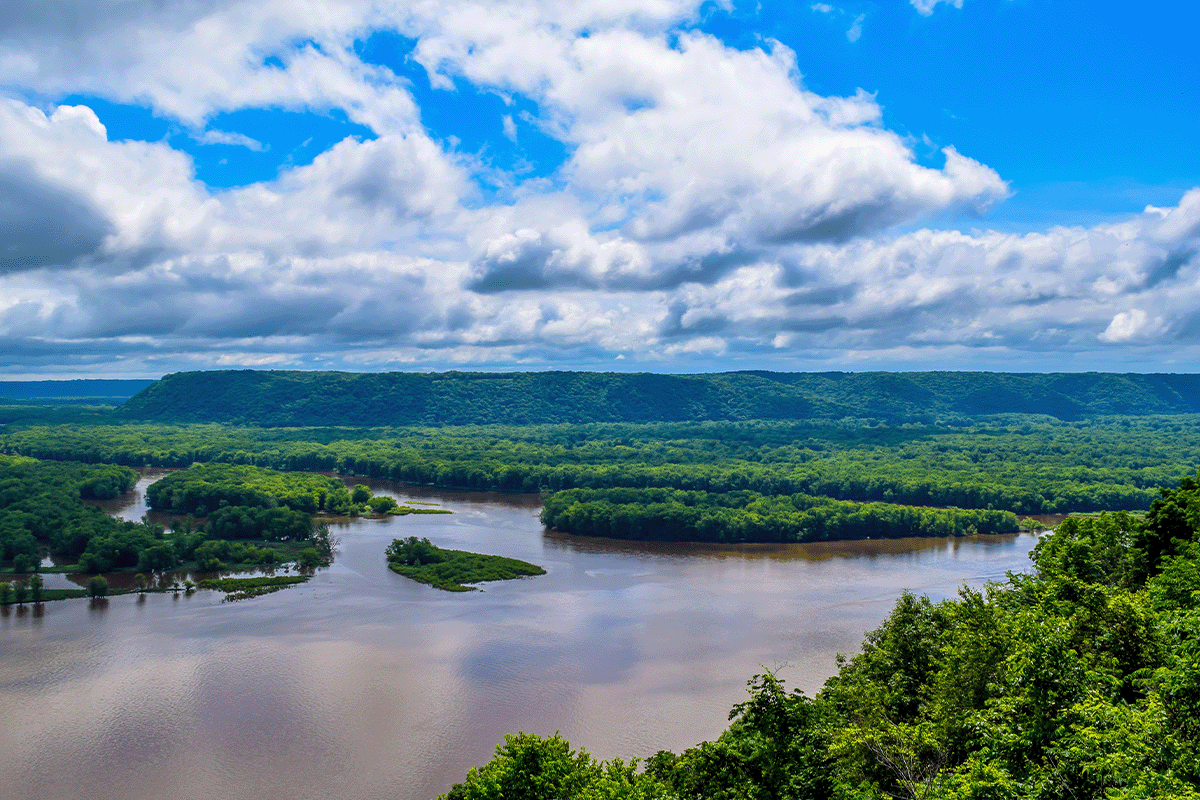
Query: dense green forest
point(1020, 464)
point(205, 487)
point(1080, 680)
point(742, 516)
point(452, 570)
point(43, 505)
point(44, 508)
point(296, 399)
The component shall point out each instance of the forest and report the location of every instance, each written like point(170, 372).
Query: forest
point(1078, 680)
point(44, 507)
point(298, 399)
point(1019, 464)
point(743, 516)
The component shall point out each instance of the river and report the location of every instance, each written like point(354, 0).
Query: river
point(363, 684)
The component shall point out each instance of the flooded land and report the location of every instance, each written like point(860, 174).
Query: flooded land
point(364, 684)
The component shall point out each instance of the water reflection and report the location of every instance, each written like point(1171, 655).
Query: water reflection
point(364, 684)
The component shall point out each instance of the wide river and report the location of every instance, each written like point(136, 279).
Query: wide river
point(362, 684)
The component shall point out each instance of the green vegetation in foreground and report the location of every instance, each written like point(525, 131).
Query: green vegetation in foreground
point(245, 588)
point(451, 569)
point(1080, 680)
point(674, 515)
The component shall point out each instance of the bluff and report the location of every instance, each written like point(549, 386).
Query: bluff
point(296, 398)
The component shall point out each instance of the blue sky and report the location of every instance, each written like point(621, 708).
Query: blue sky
point(664, 186)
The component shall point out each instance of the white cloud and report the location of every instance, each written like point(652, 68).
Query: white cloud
point(1129, 325)
point(227, 137)
point(856, 28)
point(925, 7)
point(711, 209)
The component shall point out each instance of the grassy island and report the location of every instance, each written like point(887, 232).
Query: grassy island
point(452, 569)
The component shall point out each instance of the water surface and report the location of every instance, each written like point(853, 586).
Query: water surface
point(363, 684)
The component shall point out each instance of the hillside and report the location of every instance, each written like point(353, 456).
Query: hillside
point(279, 398)
point(321, 398)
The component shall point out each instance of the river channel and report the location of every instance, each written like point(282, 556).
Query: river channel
point(363, 684)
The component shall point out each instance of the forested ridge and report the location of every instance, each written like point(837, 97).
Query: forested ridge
point(1080, 680)
point(297, 399)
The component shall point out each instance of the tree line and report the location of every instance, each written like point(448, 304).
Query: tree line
point(743, 516)
point(1020, 465)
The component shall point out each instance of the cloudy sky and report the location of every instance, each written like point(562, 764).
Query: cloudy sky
point(656, 185)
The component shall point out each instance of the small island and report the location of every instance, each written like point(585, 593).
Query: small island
point(451, 570)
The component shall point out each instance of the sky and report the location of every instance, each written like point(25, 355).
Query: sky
point(627, 185)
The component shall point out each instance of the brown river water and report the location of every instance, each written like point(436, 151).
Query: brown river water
point(362, 684)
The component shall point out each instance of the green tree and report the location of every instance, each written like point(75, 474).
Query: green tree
point(529, 767)
point(97, 586)
point(36, 585)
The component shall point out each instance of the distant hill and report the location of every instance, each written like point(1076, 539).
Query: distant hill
point(27, 390)
point(278, 398)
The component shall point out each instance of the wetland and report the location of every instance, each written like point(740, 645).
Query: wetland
point(362, 683)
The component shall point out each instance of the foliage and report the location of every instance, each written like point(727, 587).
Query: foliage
point(42, 505)
point(743, 516)
point(97, 586)
point(530, 767)
point(273, 524)
point(451, 569)
point(246, 588)
point(1028, 465)
point(205, 488)
point(279, 398)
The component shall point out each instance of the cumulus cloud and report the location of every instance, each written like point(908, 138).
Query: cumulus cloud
point(44, 224)
point(711, 209)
